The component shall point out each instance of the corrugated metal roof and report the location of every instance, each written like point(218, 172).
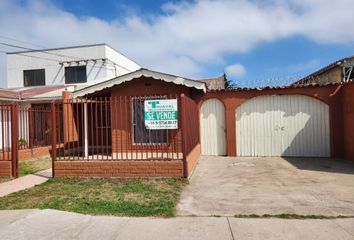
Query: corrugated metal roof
point(5, 93)
point(32, 92)
point(137, 74)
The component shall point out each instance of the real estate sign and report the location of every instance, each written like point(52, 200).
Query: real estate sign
point(161, 114)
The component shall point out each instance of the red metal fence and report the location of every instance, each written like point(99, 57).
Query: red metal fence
point(112, 128)
point(22, 127)
point(9, 138)
point(34, 128)
point(96, 129)
point(5, 128)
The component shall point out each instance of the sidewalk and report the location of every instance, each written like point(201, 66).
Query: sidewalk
point(24, 182)
point(52, 224)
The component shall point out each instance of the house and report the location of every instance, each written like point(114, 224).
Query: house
point(78, 66)
point(153, 124)
point(114, 140)
point(339, 71)
point(114, 134)
point(36, 78)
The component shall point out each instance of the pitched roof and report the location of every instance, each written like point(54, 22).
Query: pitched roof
point(324, 69)
point(137, 74)
point(214, 83)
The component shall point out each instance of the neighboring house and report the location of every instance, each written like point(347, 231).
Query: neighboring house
point(214, 83)
point(37, 77)
point(80, 65)
point(339, 71)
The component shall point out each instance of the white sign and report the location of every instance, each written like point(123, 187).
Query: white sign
point(161, 114)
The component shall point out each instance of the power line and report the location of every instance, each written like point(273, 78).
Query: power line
point(20, 41)
point(31, 49)
point(57, 54)
point(44, 58)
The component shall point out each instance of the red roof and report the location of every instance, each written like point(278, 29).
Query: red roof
point(25, 93)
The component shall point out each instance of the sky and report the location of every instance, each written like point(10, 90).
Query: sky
point(270, 42)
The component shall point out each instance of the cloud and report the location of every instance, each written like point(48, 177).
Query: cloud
point(299, 68)
point(236, 70)
point(187, 37)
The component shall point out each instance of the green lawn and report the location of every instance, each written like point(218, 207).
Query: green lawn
point(34, 165)
point(101, 196)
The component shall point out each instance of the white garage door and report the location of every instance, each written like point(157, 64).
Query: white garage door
point(289, 125)
point(212, 128)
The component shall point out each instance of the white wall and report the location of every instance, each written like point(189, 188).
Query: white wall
point(54, 72)
point(124, 64)
point(5, 127)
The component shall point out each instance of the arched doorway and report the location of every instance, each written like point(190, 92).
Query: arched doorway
point(212, 128)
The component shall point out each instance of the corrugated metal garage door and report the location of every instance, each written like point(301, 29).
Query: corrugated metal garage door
point(288, 125)
point(212, 128)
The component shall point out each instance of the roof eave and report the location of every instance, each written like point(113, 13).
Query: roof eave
point(137, 74)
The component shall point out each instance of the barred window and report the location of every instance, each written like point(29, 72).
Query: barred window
point(141, 135)
point(35, 77)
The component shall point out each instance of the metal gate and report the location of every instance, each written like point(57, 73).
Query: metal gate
point(22, 127)
point(287, 125)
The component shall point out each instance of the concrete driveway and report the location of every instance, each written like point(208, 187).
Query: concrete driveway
point(227, 186)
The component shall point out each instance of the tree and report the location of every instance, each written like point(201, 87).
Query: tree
point(229, 84)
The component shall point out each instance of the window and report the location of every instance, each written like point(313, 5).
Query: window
point(34, 77)
point(103, 115)
point(348, 73)
point(75, 74)
point(141, 135)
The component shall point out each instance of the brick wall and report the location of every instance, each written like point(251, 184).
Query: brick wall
point(121, 112)
point(5, 168)
point(348, 120)
point(192, 159)
point(27, 154)
point(119, 168)
point(327, 94)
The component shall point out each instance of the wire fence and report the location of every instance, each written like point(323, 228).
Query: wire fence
point(324, 79)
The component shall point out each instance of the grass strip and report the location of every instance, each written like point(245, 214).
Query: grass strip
point(290, 216)
point(101, 196)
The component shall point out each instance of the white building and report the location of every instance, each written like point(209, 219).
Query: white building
point(79, 66)
point(37, 77)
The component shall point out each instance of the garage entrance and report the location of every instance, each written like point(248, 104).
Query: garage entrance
point(286, 125)
point(212, 128)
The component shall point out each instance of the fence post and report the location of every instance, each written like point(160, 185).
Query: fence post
point(185, 164)
point(14, 139)
point(30, 127)
point(54, 138)
point(86, 147)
